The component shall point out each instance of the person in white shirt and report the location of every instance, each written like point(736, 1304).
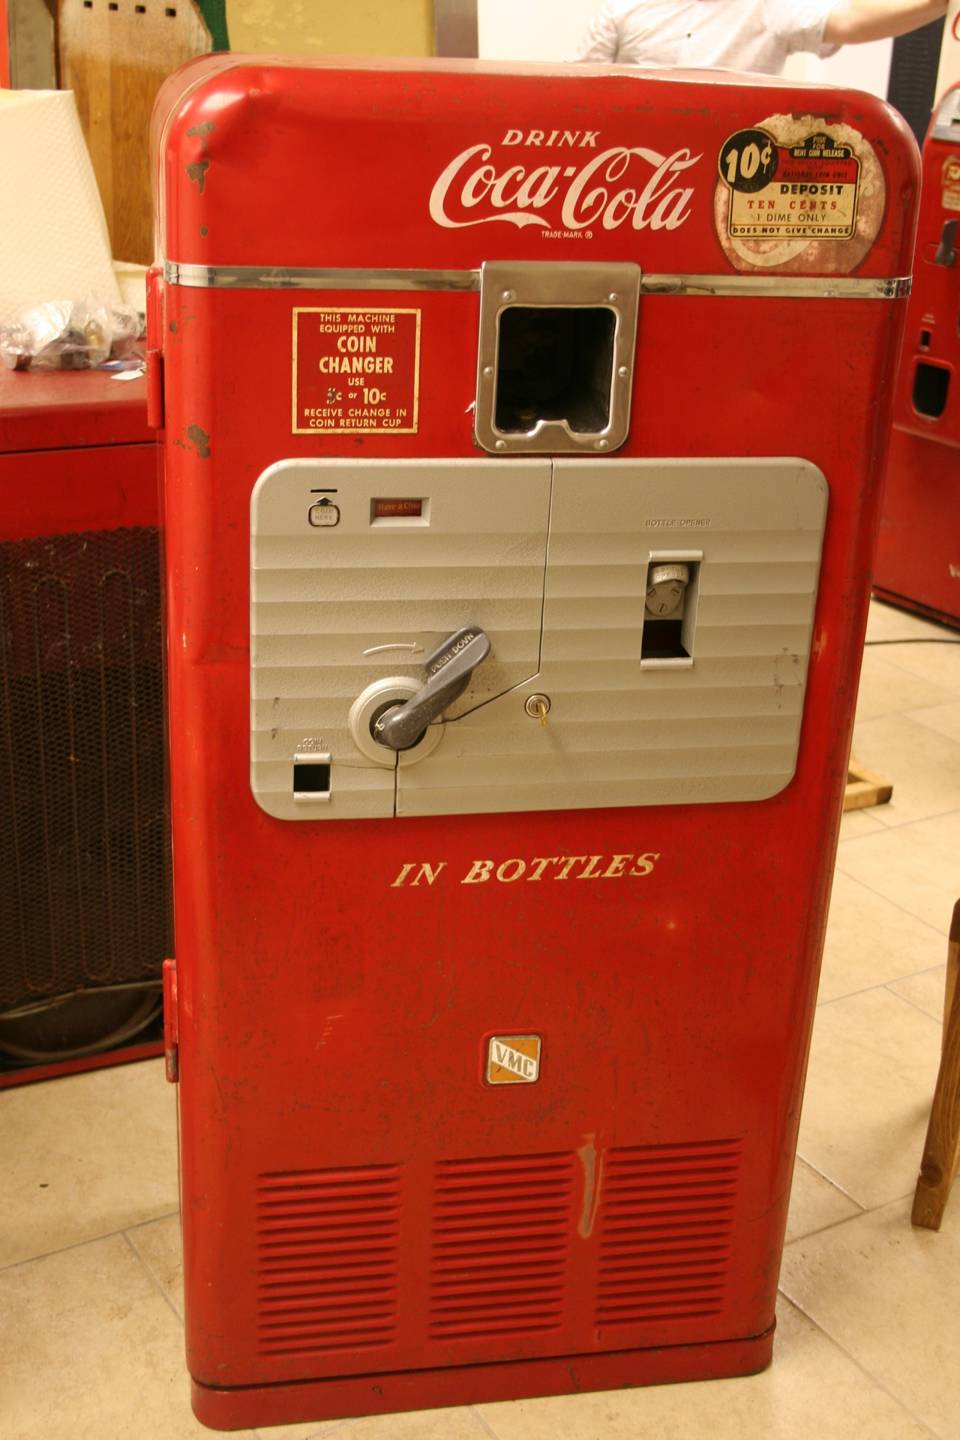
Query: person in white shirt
point(758, 35)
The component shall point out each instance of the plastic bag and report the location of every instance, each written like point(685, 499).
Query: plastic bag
point(72, 335)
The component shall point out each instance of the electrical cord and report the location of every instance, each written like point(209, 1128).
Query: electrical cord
point(148, 1010)
point(932, 640)
point(50, 1002)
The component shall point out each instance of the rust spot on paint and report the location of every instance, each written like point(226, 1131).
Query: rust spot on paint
point(200, 440)
point(588, 1159)
point(197, 172)
point(203, 129)
point(203, 232)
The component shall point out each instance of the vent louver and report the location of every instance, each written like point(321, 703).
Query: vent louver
point(501, 1237)
point(666, 1217)
point(327, 1259)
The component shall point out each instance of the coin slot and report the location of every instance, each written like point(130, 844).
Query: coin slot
point(554, 363)
point(931, 384)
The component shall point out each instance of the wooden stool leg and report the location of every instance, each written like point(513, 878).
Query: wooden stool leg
point(941, 1149)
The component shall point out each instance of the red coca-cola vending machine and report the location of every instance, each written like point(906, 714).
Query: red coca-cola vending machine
point(523, 433)
point(918, 546)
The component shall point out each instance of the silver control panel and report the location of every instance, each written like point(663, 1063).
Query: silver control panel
point(470, 636)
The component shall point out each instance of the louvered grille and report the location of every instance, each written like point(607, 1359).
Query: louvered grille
point(84, 883)
point(327, 1259)
point(501, 1236)
point(666, 1217)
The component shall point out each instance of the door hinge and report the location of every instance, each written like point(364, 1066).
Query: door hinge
point(154, 356)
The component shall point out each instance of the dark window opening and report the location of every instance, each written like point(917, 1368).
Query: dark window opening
point(312, 778)
point(930, 386)
point(662, 640)
point(554, 363)
point(925, 338)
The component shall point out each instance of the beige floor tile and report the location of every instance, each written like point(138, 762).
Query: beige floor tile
point(811, 1392)
point(458, 1423)
point(870, 941)
point(945, 719)
point(854, 823)
point(815, 1203)
point(887, 622)
point(937, 664)
point(922, 765)
point(888, 1294)
point(86, 1156)
point(917, 867)
point(871, 1077)
point(158, 1245)
point(887, 689)
point(91, 1351)
point(925, 990)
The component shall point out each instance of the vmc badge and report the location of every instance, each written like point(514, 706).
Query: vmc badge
point(513, 1059)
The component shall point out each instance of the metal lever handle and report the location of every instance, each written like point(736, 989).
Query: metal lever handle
point(947, 249)
point(448, 670)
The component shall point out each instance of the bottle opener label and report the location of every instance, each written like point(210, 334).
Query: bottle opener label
point(356, 371)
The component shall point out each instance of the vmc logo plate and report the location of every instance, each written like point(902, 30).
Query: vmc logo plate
point(513, 1059)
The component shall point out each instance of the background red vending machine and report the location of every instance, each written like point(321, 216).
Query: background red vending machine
point(918, 547)
point(523, 432)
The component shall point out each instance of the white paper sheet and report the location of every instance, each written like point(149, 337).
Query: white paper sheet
point(54, 243)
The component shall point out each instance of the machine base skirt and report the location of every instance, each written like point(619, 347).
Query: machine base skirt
point(244, 1407)
point(918, 607)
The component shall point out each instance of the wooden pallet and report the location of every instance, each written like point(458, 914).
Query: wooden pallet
point(864, 788)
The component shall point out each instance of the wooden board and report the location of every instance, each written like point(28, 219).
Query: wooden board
point(864, 788)
point(114, 54)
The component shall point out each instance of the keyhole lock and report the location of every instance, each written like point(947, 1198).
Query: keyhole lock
point(538, 708)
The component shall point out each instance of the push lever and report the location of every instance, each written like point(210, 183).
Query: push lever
point(448, 670)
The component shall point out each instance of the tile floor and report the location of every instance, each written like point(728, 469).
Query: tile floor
point(91, 1320)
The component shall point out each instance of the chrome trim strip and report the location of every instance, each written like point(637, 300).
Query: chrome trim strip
point(254, 277)
point(783, 287)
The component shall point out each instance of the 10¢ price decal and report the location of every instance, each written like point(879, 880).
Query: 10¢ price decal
point(805, 190)
point(748, 161)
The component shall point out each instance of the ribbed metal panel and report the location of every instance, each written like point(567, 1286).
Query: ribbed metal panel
point(502, 547)
point(327, 1251)
point(502, 1229)
point(666, 1220)
point(725, 727)
point(321, 597)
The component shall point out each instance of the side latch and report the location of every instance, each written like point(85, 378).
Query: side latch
point(171, 1022)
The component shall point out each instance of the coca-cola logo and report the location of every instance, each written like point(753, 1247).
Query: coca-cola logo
point(622, 185)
